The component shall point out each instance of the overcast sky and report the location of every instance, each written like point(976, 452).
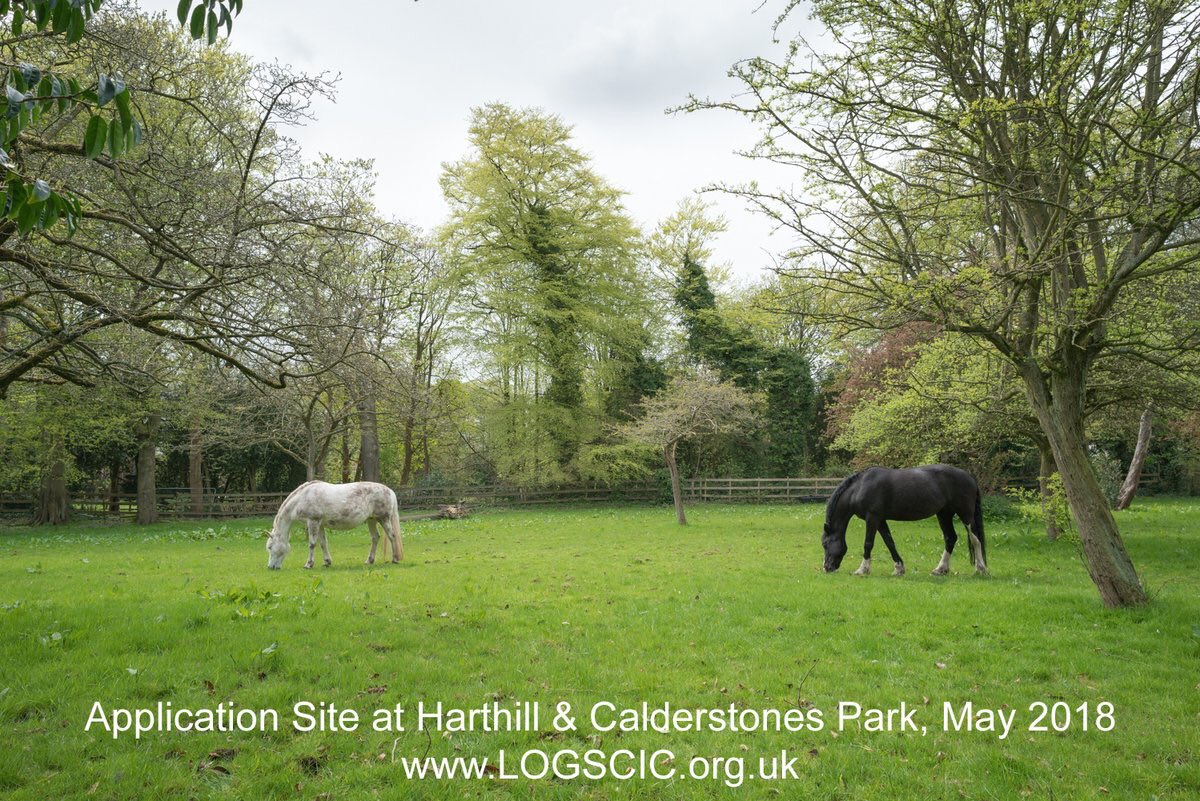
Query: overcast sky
point(411, 72)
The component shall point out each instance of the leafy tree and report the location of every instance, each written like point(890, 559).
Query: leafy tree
point(550, 256)
point(690, 409)
point(1010, 171)
point(188, 237)
point(737, 351)
point(35, 94)
point(47, 431)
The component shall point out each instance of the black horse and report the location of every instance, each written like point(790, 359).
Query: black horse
point(879, 494)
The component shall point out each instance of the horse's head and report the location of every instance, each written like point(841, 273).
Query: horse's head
point(277, 548)
point(834, 544)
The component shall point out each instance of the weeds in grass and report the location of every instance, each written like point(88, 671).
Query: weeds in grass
point(248, 601)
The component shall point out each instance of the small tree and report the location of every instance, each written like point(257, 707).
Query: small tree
point(690, 409)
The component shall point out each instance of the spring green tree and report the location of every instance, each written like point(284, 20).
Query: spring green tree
point(182, 237)
point(1010, 171)
point(690, 409)
point(550, 256)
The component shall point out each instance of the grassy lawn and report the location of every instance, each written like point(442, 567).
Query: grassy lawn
point(595, 604)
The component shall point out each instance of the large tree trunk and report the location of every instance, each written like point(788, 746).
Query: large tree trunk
point(368, 426)
point(196, 469)
point(1059, 413)
point(676, 491)
point(1129, 488)
point(406, 468)
point(345, 456)
point(314, 466)
point(54, 506)
point(1046, 470)
point(147, 496)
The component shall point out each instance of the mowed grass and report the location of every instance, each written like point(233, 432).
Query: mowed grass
point(595, 604)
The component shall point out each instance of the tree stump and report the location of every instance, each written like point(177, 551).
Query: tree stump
point(451, 511)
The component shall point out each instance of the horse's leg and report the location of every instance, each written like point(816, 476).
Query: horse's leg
point(946, 519)
point(865, 568)
point(974, 544)
point(393, 533)
point(886, 533)
point(314, 529)
point(374, 541)
point(325, 547)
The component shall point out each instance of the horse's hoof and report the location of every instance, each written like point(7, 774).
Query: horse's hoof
point(308, 566)
point(395, 561)
point(939, 571)
point(328, 562)
point(981, 571)
point(370, 561)
point(899, 571)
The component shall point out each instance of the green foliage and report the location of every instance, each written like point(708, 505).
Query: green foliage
point(942, 400)
point(620, 462)
point(1000, 507)
point(64, 18)
point(1044, 511)
point(42, 424)
point(1109, 475)
point(548, 253)
point(246, 602)
point(34, 93)
point(635, 378)
point(692, 409)
point(736, 351)
point(208, 17)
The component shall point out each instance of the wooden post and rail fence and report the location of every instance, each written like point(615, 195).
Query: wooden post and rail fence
point(181, 505)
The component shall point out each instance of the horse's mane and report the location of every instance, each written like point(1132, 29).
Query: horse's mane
point(290, 501)
point(831, 504)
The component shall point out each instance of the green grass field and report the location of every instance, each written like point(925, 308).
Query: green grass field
point(595, 604)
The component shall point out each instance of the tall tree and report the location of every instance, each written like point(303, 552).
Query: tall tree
point(433, 294)
point(551, 255)
point(1007, 170)
point(734, 349)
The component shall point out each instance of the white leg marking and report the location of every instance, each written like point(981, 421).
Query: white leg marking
point(943, 566)
point(864, 569)
point(899, 571)
point(977, 549)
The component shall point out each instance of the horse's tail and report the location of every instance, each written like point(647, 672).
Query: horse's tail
point(978, 525)
point(398, 544)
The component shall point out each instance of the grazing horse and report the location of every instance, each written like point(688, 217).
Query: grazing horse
point(879, 494)
point(336, 506)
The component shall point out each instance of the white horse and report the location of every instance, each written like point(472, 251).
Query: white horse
point(335, 506)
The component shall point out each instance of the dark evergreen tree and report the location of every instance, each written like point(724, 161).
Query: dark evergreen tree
point(738, 355)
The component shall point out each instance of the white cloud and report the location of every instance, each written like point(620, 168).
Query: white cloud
point(412, 71)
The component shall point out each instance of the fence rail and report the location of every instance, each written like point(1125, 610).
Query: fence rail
point(180, 505)
point(751, 490)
